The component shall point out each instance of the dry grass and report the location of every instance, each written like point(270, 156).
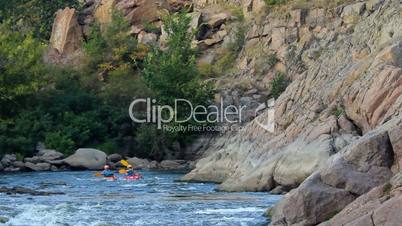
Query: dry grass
point(307, 4)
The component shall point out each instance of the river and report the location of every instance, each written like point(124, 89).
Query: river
point(155, 200)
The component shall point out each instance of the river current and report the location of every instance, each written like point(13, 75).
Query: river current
point(157, 199)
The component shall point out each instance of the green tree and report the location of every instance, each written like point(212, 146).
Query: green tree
point(36, 15)
point(21, 68)
point(279, 84)
point(111, 49)
point(172, 73)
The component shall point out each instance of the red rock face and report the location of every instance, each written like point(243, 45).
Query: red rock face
point(66, 33)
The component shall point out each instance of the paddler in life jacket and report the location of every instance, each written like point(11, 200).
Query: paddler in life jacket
point(107, 172)
point(130, 171)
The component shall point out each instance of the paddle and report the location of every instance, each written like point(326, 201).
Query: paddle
point(124, 162)
point(120, 171)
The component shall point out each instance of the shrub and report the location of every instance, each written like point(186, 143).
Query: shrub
point(338, 111)
point(21, 68)
point(206, 69)
point(229, 54)
point(278, 84)
point(172, 74)
point(109, 146)
point(35, 15)
point(111, 48)
point(274, 2)
point(59, 141)
point(271, 60)
point(151, 28)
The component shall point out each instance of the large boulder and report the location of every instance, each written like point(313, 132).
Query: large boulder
point(49, 155)
point(43, 166)
point(19, 164)
point(1, 167)
point(114, 158)
point(34, 159)
point(8, 159)
point(355, 170)
point(139, 163)
point(66, 35)
point(312, 202)
point(173, 165)
point(87, 158)
point(142, 11)
point(380, 206)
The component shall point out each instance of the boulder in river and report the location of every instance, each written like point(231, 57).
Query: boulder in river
point(138, 163)
point(34, 159)
point(87, 158)
point(3, 220)
point(43, 166)
point(22, 190)
point(8, 159)
point(114, 157)
point(1, 167)
point(173, 164)
point(49, 155)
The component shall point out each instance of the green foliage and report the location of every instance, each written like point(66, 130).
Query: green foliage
point(36, 15)
point(228, 55)
point(109, 146)
point(70, 108)
point(279, 84)
point(274, 2)
point(20, 68)
point(151, 28)
point(111, 49)
point(206, 69)
point(19, 157)
point(150, 141)
point(68, 116)
point(271, 60)
point(173, 74)
point(60, 142)
point(386, 189)
point(338, 111)
point(236, 11)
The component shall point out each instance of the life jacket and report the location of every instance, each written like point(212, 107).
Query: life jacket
point(130, 172)
point(107, 173)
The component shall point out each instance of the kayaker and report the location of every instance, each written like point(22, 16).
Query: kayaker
point(130, 171)
point(107, 172)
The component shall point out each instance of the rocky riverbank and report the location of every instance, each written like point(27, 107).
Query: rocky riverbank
point(337, 146)
point(82, 159)
point(337, 143)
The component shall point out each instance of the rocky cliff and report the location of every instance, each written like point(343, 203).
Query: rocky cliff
point(338, 122)
point(337, 141)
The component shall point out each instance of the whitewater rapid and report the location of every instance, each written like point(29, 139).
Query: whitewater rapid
point(156, 200)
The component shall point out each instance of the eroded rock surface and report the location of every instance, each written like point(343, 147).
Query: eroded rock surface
point(87, 158)
point(66, 35)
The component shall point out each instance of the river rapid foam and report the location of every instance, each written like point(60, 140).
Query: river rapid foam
point(155, 200)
